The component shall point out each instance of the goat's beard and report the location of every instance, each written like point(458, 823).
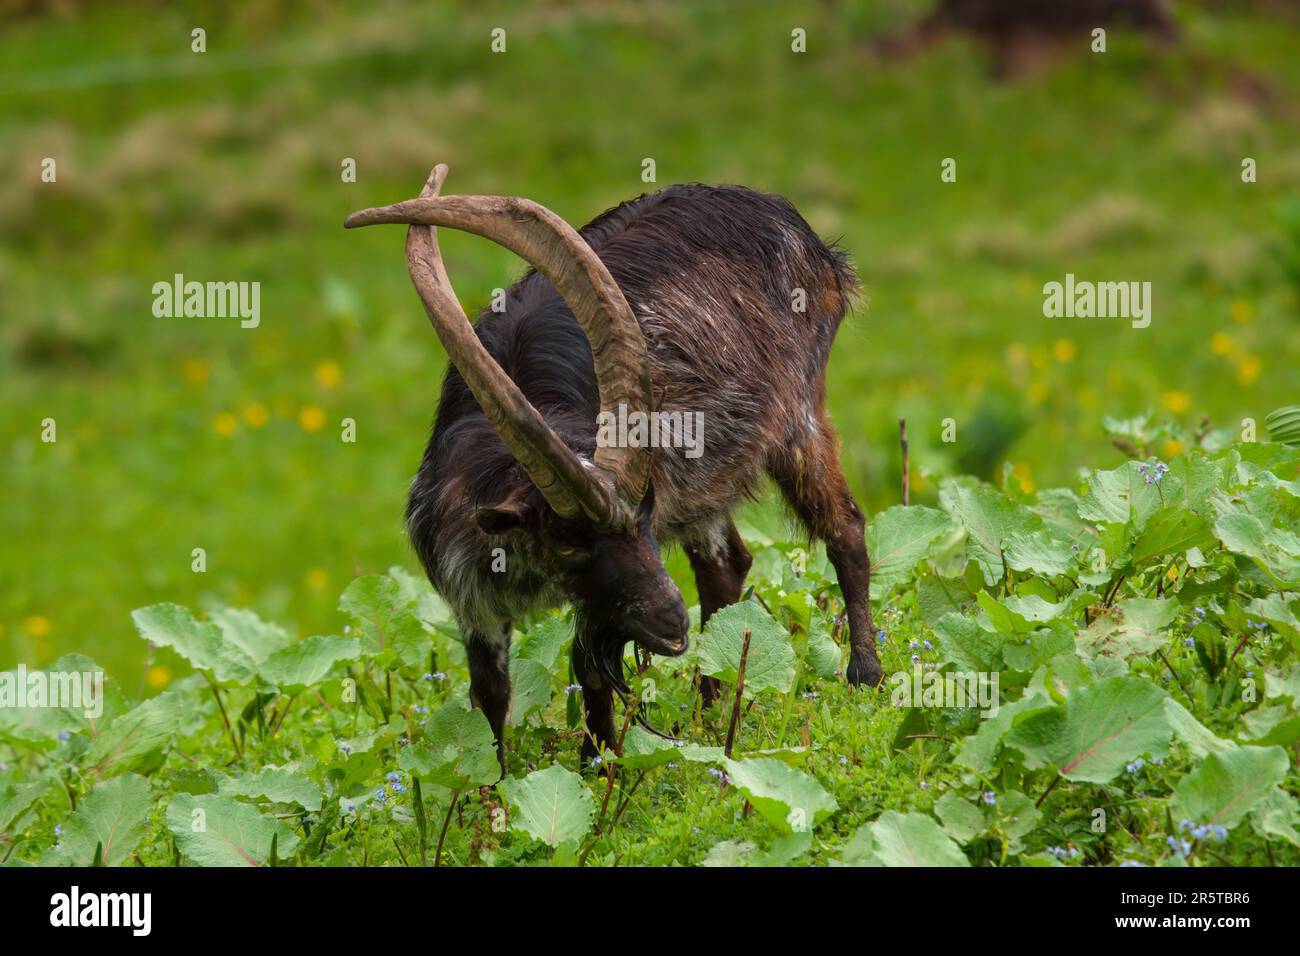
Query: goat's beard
point(600, 654)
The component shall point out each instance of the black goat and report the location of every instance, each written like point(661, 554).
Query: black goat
point(712, 306)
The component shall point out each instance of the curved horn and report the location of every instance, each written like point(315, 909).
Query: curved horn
point(556, 250)
point(553, 467)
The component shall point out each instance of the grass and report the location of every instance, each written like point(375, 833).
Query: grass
point(180, 434)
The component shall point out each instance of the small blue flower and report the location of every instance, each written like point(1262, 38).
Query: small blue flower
point(597, 760)
point(916, 659)
point(350, 807)
point(911, 645)
point(58, 829)
point(927, 645)
point(882, 637)
point(64, 736)
point(1185, 824)
point(1219, 832)
point(572, 689)
point(844, 761)
point(392, 776)
point(990, 798)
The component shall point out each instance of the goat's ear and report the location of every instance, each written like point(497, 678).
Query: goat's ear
point(502, 516)
point(646, 509)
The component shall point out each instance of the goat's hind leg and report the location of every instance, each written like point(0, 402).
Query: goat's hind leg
point(812, 481)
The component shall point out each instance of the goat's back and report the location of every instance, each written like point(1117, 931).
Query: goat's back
point(739, 301)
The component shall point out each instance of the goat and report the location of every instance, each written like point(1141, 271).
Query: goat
point(680, 301)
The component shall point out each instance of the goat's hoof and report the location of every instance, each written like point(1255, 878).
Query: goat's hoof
point(862, 671)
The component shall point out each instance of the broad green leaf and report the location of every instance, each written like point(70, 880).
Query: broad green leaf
point(898, 539)
point(1281, 614)
point(962, 820)
point(991, 520)
point(1245, 527)
point(770, 663)
point(979, 750)
point(1269, 726)
point(1200, 740)
point(213, 830)
point(421, 598)
point(385, 619)
point(17, 798)
point(307, 663)
point(1132, 628)
point(937, 597)
point(1278, 815)
point(789, 799)
point(256, 638)
point(1097, 731)
point(1229, 784)
point(111, 816)
point(1171, 531)
point(530, 688)
point(545, 641)
point(276, 784)
point(1040, 553)
point(968, 645)
point(823, 654)
point(1122, 496)
point(642, 750)
point(135, 736)
point(551, 805)
point(904, 839)
point(1014, 614)
point(458, 752)
point(202, 643)
point(27, 716)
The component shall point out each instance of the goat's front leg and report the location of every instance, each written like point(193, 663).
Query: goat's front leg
point(488, 655)
point(720, 562)
point(597, 705)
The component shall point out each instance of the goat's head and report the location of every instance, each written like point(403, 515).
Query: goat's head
point(591, 518)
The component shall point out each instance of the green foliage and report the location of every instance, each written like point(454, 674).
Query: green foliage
point(1146, 711)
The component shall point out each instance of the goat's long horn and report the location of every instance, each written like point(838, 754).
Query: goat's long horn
point(556, 250)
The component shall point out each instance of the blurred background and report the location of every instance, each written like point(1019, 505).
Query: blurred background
point(184, 433)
